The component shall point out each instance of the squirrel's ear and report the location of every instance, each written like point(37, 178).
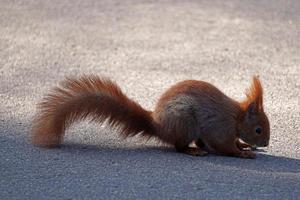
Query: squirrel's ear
point(254, 101)
point(252, 110)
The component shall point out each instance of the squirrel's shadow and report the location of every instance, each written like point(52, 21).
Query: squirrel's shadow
point(158, 154)
point(263, 162)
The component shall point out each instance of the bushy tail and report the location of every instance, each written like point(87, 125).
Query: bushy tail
point(89, 96)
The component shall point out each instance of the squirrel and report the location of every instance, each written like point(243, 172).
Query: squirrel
point(190, 111)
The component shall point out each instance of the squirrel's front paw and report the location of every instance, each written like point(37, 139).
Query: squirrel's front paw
point(247, 154)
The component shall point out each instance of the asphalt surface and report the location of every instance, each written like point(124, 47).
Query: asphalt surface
point(146, 46)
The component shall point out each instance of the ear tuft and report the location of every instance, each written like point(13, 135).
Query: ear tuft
point(254, 95)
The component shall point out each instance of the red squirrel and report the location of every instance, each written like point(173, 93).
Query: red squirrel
point(190, 111)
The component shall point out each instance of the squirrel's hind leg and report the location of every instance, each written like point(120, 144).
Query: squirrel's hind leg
point(200, 143)
point(193, 151)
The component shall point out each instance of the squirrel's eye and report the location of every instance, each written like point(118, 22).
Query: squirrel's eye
point(258, 130)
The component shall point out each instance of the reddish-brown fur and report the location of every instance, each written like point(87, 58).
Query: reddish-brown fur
point(98, 98)
point(189, 111)
point(254, 94)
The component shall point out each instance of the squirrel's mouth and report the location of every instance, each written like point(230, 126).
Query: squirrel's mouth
point(265, 144)
point(261, 144)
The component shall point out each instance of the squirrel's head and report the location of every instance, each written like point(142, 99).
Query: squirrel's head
point(254, 127)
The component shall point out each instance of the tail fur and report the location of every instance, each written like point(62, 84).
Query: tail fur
point(89, 96)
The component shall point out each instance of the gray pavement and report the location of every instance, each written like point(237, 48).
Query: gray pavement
point(146, 46)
